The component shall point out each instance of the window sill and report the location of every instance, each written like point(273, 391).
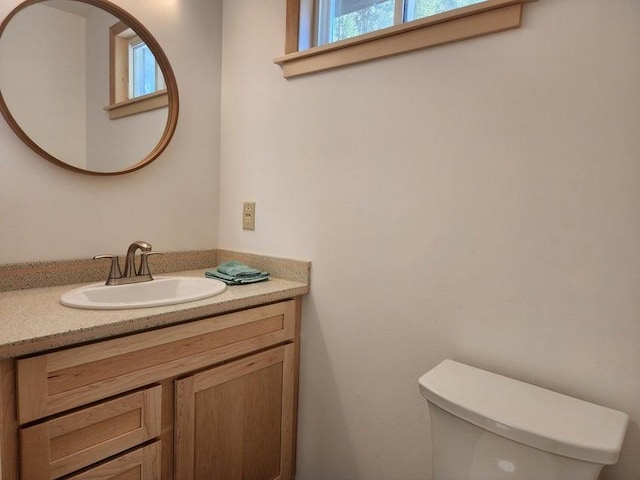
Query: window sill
point(461, 24)
point(152, 101)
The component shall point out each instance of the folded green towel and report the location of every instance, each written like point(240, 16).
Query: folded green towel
point(235, 280)
point(236, 273)
point(234, 268)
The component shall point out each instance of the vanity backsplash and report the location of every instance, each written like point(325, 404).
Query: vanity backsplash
point(20, 276)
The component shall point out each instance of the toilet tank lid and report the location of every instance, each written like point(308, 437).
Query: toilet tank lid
point(522, 412)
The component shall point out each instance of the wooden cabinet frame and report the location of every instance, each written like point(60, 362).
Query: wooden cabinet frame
point(42, 389)
point(57, 381)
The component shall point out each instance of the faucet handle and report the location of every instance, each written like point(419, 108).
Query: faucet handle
point(115, 272)
point(144, 264)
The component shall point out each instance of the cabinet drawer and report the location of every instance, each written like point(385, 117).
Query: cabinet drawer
point(141, 464)
point(57, 381)
point(65, 444)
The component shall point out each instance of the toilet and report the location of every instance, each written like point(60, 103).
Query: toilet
point(486, 426)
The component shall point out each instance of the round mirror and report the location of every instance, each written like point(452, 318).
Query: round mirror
point(86, 86)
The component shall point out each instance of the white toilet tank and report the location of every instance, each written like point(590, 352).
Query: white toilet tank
point(488, 427)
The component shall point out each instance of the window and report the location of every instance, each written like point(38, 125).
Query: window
point(415, 9)
point(323, 34)
point(342, 19)
point(145, 76)
point(136, 81)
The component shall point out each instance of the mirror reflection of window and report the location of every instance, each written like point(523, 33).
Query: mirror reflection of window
point(145, 76)
point(137, 83)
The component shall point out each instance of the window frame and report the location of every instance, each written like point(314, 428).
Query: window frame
point(119, 103)
point(463, 23)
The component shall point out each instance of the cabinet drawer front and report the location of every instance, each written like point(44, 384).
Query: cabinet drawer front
point(57, 381)
point(141, 464)
point(65, 444)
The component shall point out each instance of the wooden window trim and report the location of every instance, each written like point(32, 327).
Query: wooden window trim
point(460, 24)
point(118, 64)
point(119, 103)
point(138, 105)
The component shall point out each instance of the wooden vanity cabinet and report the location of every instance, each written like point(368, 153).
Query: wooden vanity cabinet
point(211, 398)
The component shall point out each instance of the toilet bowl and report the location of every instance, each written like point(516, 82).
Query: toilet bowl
point(486, 426)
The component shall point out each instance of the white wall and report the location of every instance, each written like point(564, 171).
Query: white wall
point(39, 75)
point(50, 213)
point(477, 201)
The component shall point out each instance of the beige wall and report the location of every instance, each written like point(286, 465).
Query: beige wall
point(477, 201)
point(39, 76)
point(49, 213)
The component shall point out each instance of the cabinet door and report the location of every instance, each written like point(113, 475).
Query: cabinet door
point(235, 422)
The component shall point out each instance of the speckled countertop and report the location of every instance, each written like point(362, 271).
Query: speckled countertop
point(33, 320)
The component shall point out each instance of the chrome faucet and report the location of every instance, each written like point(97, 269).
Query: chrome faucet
point(130, 274)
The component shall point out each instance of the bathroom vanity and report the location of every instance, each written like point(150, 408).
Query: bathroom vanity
point(200, 390)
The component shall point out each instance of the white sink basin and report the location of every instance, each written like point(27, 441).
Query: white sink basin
point(156, 293)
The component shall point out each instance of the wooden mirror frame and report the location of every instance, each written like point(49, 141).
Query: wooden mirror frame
point(161, 59)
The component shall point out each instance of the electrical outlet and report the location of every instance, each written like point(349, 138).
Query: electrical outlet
point(249, 215)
